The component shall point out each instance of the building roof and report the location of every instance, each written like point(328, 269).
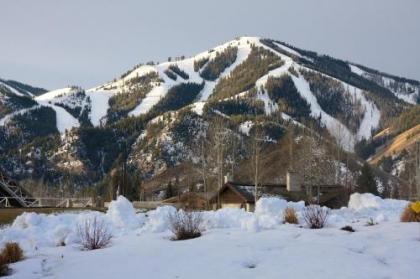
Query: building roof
point(247, 191)
point(183, 196)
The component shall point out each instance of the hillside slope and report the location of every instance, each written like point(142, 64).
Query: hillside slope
point(152, 117)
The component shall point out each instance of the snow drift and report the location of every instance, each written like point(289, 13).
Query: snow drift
point(34, 230)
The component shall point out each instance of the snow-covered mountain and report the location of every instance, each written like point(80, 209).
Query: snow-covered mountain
point(16, 96)
point(243, 80)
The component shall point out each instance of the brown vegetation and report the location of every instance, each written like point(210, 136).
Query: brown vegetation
point(409, 215)
point(289, 216)
point(315, 216)
point(185, 225)
point(93, 234)
point(11, 253)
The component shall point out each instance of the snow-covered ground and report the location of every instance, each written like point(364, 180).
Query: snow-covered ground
point(235, 244)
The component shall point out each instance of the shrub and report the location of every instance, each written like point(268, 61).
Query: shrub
point(411, 213)
point(348, 228)
point(185, 225)
point(371, 222)
point(4, 267)
point(315, 216)
point(93, 234)
point(11, 253)
point(289, 216)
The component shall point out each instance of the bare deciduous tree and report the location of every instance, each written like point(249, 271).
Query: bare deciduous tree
point(257, 141)
point(218, 136)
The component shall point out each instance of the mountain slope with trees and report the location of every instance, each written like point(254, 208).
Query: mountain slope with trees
point(203, 116)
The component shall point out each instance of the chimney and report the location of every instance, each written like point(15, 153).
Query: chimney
point(293, 183)
point(228, 178)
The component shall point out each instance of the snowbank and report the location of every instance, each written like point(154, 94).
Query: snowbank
point(122, 214)
point(371, 206)
point(158, 219)
point(34, 230)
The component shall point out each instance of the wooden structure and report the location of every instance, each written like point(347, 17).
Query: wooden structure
point(191, 200)
point(242, 195)
point(13, 195)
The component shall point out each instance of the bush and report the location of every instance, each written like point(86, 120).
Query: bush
point(185, 225)
point(371, 222)
point(93, 234)
point(315, 216)
point(289, 216)
point(348, 228)
point(12, 253)
point(411, 213)
point(4, 267)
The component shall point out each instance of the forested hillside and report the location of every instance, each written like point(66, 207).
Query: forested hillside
point(189, 121)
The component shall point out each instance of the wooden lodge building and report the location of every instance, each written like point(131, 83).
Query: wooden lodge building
point(242, 195)
point(191, 200)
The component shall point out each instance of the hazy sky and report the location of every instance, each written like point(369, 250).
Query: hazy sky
point(55, 43)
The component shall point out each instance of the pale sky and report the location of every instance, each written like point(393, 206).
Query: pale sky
point(55, 43)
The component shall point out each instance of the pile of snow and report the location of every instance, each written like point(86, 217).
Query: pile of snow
point(158, 219)
point(269, 211)
point(368, 205)
point(122, 214)
point(34, 230)
point(225, 218)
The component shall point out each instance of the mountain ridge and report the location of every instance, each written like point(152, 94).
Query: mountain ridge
point(243, 80)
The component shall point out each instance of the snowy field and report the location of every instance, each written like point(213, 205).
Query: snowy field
point(235, 244)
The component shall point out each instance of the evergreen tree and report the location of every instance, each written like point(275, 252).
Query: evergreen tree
point(169, 190)
point(366, 182)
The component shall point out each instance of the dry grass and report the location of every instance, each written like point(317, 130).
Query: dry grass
point(289, 216)
point(315, 216)
point(399, 143)
point(4, 267)
point(11, 253)
point(93, 234)
point(185, 225)
point(409, 215)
